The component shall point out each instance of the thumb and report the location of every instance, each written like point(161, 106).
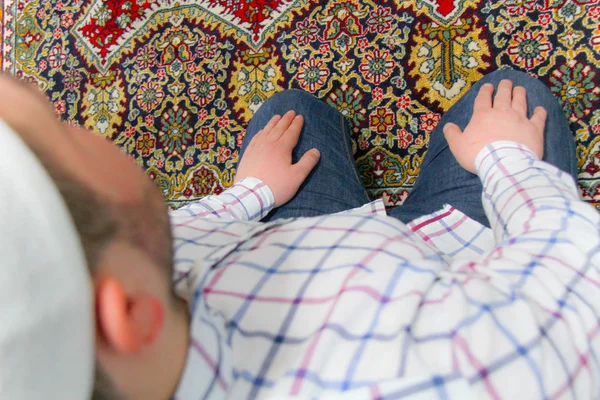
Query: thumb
point(452, 132)
point(306, 164)
point(539, 118)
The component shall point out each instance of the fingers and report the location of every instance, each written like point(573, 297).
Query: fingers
point(519, 101)
point(539, 118)
point(271, 124)
point(483, 101)
point(292, 134)
point(503, 97)
point(281, 126)
point(460, 147)
point(255, 139)
point(452, 132)
point(306, 164)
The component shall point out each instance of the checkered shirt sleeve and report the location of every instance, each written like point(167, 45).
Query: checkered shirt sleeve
point(248, 200)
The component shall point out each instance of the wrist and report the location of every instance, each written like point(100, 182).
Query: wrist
point(261, 194)
point(492, 153)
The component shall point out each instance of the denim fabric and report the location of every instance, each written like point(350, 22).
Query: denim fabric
point(335, 185)
point(442, 180)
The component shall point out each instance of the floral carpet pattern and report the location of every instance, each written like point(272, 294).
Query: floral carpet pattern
point(175, 82)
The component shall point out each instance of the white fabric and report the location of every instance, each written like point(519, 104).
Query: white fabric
point(46, 309)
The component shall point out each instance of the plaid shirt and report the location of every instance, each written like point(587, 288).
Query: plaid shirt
point(358, 305)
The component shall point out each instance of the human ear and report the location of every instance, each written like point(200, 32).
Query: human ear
point(147, 316)
point(127, 323)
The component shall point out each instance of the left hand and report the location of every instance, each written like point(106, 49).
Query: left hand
point(268, 157)
point(503, 118)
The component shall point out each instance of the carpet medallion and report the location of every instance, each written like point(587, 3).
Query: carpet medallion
point(175, 82)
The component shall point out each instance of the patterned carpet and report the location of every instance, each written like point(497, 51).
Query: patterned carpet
point(175, 82)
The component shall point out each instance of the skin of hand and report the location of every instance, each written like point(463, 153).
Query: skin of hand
point(504, 118)
point(268, 157)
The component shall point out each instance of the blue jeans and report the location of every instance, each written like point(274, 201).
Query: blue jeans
point(335, 184)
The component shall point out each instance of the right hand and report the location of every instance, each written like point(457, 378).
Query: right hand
point(268, 157)
point(504, 119)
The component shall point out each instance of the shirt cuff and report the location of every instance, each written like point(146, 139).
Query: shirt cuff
point(254, 196)
point(488, 156)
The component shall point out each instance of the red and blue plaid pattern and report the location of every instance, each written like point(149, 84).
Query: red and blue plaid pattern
point(359, 305)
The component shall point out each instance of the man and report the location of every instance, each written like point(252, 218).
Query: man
point(324, 300)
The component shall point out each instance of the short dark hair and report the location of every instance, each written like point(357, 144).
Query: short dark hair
point(98, 222)
point(96, 227)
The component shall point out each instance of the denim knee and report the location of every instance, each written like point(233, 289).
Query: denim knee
point(537, 91)
point(298, 100)
point(287, 100)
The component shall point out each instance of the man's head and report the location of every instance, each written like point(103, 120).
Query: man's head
point(124, 230)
